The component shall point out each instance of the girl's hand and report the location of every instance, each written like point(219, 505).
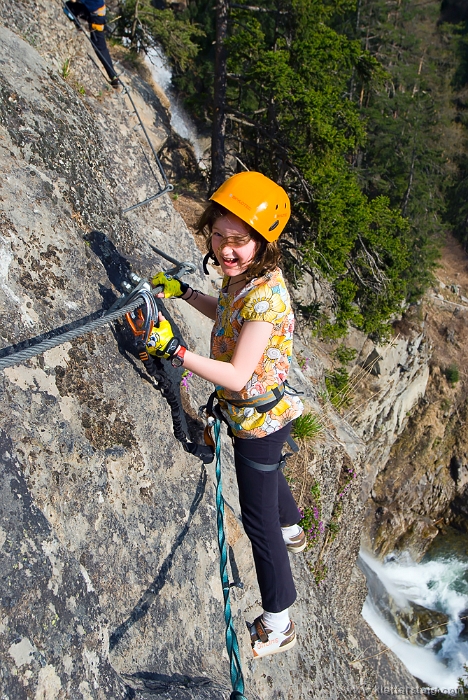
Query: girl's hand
point(162, 342)
point(172, 287)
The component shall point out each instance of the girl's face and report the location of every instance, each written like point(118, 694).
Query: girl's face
point(234, 257)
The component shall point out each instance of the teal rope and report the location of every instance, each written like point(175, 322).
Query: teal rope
point(232, 644)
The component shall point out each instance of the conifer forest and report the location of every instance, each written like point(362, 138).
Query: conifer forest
point(359, 108)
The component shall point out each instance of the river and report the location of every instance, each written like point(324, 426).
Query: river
point(439, 583)
point(180, 121)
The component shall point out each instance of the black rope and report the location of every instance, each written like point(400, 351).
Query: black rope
point(155, 369)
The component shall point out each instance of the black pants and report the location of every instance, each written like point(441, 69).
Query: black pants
point(267, 504)
point(98, 38)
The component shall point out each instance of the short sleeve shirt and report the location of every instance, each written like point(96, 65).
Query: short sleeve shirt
point(262, 299)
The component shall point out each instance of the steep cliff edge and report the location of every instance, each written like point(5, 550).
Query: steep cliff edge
point(108, 526)
point(419, 482)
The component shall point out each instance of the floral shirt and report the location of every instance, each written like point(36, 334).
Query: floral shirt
point(262, 299)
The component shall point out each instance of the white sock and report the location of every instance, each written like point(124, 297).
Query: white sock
point(277, 622)
point(291, 531)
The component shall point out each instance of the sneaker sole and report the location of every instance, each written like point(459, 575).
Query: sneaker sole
point(278, 650)
point(296, 550)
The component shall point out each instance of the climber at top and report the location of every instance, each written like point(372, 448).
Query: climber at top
point(94, 12)
point(251, 348)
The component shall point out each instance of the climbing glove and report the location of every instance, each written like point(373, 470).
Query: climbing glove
point(173, 287)
point(161, 341)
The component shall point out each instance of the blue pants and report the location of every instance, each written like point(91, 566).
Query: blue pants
point(267, 504)
point(98, 38)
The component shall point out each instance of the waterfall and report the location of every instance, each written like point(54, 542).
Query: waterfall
point(439, 585)
point(180, 120)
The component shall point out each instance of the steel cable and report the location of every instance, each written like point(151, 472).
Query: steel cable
point(167, 187)
point(44, 345)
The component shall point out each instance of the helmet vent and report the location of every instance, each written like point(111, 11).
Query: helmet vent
point(273, 226)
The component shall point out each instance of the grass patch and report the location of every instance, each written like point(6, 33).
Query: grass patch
point(65, 70)
point(307, 427)
point(344, 355)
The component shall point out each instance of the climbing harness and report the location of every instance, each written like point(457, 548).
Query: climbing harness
point(166, 187)
point(262, 403)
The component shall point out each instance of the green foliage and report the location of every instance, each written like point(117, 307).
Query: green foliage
point(344, 355)
point(333, 526)
point(319, 571)
point(337, 383)
point(140, 22)
point(65, 71)
point(409, 121)
point(311, 521)
point(289, 114)
point(452, 374)
point(463, 681)
point(302, 361)
point(307, 427)
point(445, 404)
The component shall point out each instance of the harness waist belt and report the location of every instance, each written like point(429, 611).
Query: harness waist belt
point(259, 466)
point(261, 403)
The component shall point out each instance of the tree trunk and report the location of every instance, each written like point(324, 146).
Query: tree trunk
point(410, 184)
point(218, 154)
point(134, 24)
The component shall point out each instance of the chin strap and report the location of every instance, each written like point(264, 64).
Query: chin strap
point(209, 256)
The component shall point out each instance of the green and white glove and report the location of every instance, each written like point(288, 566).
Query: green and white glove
point(162, 342)
point(173, 287)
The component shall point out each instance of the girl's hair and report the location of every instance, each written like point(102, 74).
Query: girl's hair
point(268, 253)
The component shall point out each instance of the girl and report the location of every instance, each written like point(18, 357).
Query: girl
point(251, 347)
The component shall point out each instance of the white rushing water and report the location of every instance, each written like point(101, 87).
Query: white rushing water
point(180, 121)
point(440, 585)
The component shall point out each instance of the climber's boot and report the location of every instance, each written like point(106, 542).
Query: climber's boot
point(265, 642)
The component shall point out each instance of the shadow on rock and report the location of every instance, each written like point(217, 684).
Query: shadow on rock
point(177, 686)
point(151, 593)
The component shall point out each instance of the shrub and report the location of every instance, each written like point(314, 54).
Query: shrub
point(337, 384)
point(344, 355)
point(311, 521)
point(452, 374)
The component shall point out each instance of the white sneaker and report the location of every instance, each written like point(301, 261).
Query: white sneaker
point(297, 543)
point(265, 641)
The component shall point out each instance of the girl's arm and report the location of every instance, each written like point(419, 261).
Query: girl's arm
point(204, 303)
point(235, 374)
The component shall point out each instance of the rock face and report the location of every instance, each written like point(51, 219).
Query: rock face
point(110, 585)
point(417, 474)
point(390, 380)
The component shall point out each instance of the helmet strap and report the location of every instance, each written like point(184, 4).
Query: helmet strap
point(209, 256)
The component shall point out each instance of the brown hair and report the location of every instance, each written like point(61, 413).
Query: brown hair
point(267, 255)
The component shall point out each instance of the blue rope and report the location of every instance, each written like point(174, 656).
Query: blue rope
point(232, 644)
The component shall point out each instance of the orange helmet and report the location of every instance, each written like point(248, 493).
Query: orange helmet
point(257, 200)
